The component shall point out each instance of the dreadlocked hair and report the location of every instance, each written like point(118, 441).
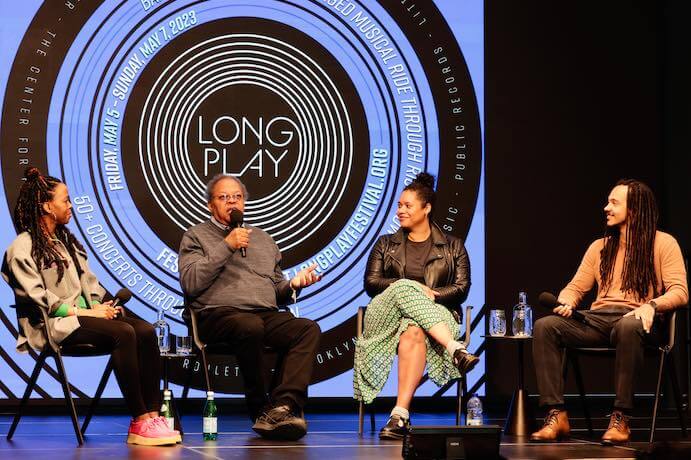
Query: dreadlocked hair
point(638, 275)
point(423, 186)
point(28, 212)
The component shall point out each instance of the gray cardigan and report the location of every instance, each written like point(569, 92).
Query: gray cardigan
point(40, 287)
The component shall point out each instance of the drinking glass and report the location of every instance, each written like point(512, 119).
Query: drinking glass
point(183, 345)
point(497, 323)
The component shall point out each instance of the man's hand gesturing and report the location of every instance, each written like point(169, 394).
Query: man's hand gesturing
point(305, 277)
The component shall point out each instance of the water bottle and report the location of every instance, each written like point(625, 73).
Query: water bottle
point(522, 324)
point(210, 418)
point(162, 332)
point(167, 409)
point(474, 416)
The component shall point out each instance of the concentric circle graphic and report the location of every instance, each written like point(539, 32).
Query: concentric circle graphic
point(253, 105)
point(324, 109)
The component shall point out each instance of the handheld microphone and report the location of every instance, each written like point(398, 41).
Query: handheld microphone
point(549, 300)
point(122, 296)
point(236, 221)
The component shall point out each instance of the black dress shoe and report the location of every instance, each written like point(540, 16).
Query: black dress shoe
point(281, 422)
point(395, 428)
point(464, 361)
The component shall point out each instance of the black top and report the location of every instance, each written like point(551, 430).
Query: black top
point(416, 253)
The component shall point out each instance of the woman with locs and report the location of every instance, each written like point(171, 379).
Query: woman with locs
point(47, 267)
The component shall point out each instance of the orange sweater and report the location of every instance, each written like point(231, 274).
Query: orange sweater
point(669, 270)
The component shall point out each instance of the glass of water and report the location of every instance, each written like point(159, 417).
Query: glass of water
point(183, 345)
point(497, 323)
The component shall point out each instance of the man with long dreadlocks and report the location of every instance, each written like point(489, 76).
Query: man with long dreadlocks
point(640, 275)
point(47, 267)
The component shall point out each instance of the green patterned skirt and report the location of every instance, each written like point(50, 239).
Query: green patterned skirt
point(389, 314)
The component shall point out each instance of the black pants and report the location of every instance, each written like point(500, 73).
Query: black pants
point(297, 339)
point(607, 327)
point(136, 359)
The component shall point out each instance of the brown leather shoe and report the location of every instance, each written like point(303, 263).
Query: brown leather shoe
point(464, 361)
point(556, 427)
point(618, 430)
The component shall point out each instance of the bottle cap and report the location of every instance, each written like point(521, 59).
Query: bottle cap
point(167, 393)
point(209, 394)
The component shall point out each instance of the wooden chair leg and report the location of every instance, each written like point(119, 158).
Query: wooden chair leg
point(68, 397)
point(97, 396)
point(672, 375)
point(27, 393)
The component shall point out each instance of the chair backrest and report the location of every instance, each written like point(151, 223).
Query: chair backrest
point(673, 317)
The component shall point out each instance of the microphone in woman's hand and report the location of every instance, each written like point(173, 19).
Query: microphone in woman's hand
point(122, 297)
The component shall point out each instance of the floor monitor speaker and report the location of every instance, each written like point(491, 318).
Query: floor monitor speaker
point(452, 442)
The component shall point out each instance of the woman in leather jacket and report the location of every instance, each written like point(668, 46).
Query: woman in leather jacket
point(418, 278)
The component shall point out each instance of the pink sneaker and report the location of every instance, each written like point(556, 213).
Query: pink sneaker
point(164, 424)
point(149, 433)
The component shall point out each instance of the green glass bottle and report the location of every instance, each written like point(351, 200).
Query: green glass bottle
point(167, 409)
point(210, 418)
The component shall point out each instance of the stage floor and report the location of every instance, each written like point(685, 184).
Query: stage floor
point(331, 436)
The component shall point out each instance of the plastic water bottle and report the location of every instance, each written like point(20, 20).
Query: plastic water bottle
point(474, 416)
point(210, 418)
point(522, 324)
point(167, 409)
point(162, 332)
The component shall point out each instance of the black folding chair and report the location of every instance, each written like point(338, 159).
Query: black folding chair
point(664, 351)
point(461, 387)
point(56, 351)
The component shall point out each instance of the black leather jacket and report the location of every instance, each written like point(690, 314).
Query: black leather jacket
point(447, 270)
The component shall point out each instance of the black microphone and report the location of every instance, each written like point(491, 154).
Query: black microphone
point(236, 221)
point(122, 296)
point(549, 300)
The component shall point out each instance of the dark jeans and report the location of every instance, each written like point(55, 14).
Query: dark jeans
point(297, 339)
point(608, 327)
point(136, 360)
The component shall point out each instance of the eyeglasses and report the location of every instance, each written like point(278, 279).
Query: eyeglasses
point(230, 198)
